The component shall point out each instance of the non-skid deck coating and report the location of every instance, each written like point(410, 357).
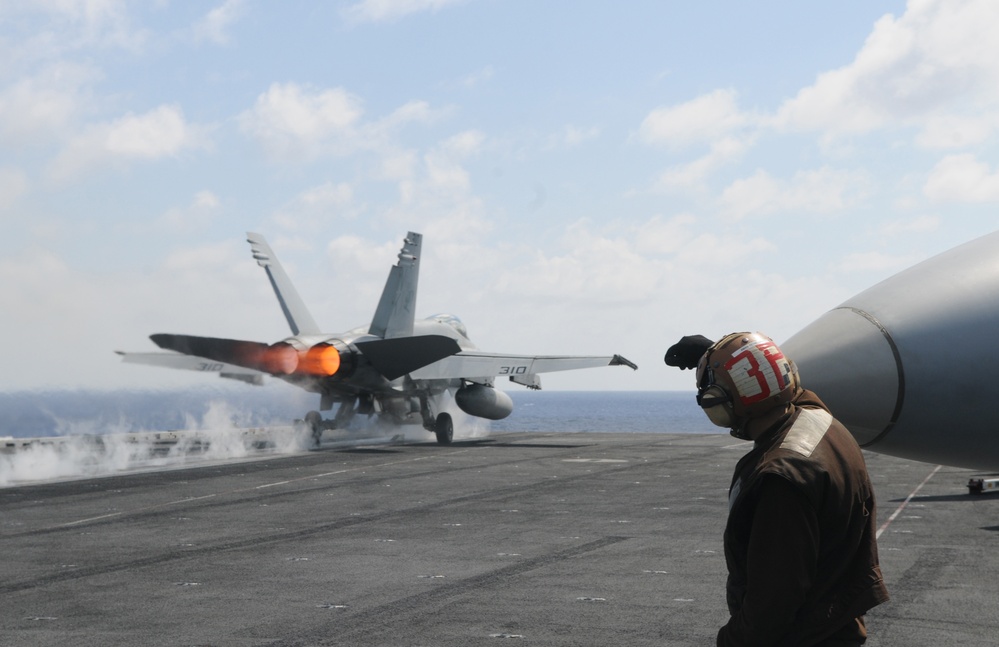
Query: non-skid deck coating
point(553, 539)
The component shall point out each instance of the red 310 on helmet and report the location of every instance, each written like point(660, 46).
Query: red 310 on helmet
point(744, 375)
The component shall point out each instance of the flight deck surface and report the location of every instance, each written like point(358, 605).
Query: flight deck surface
point(543, 539)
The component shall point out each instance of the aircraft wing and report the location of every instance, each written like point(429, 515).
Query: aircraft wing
point(193, 363)
point(519, 368)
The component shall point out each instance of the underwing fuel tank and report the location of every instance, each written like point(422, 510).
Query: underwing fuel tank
point(483, 402)
point(907, 365)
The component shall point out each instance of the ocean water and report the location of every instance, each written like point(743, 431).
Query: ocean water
point(606, 411)
point(60, 413)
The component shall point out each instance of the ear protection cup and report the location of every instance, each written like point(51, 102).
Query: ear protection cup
point(717, 405)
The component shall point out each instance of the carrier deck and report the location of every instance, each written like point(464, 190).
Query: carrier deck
point(541, 539)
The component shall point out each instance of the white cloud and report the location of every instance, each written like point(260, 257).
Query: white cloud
point(955, 131)
point(161, 132)
point(213, 27)
point(962, 178)
point(296, 122)
point(437, 181)
point(930, 68)
point(13, 184)
point(872, 262)
point(203, 206)
point(823, 190)
point(658, 236)
point(399, 165)
point(571, 136)
point(39, 109)
point(920, 224)
point(713, 119)
point(384, 10)
point(318, 205)
point(328, 194)
point(411, 112)
point(694, 174)
point(158, 133)
point(594, 268)
point(706, 118)
point(464, 143)
point(478, 77)
point(290, 119)
point(615, 264)
point(58, 26)
point(444, 173)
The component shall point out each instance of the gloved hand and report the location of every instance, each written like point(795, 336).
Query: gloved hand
point(686, 352)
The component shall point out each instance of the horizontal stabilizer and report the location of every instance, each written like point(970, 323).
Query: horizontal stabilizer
point(247, 354)
point(399, 356)
point(194, 363)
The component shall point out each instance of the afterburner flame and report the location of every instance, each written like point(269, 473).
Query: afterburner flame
point(321, 359)
point(281, 359)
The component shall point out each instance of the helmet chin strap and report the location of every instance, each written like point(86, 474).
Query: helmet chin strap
point(739, 431)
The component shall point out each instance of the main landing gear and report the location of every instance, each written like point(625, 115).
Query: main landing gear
point(442, 426)
point(314, 423)
point(444, 429)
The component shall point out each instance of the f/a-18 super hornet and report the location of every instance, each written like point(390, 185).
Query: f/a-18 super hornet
point(397, 367)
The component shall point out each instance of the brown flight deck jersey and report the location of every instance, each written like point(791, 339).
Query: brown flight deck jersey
point(800, 541)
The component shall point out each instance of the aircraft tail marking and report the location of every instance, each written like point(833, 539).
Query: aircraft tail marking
point(396, 310)
point(298, 316)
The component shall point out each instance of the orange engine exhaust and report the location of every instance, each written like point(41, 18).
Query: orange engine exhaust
point(322, 359)
point(280, 359)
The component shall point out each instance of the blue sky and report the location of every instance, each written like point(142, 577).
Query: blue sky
point(590, 177)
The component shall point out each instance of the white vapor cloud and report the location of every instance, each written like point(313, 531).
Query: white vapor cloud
point(89, 449)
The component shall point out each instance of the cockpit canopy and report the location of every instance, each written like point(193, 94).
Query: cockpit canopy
point(451, 320)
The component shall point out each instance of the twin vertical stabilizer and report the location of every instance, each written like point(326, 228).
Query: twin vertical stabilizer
point(396, 310)
point(298, 316)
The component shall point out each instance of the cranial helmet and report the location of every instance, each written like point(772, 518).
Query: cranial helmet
point(743, 376)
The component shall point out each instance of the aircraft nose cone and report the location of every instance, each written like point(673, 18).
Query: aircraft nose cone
point(852, 364)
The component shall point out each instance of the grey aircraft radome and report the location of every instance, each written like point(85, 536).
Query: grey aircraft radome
point(397, 367)
point(907, 364)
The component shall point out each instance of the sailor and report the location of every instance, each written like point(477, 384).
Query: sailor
point(800, 541)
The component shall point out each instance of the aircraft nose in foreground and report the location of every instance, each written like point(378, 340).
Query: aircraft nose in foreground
point(909, 364)
point(849, 360)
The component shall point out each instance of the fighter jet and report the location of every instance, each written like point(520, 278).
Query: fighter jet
point(396, 367)
point(907, 364)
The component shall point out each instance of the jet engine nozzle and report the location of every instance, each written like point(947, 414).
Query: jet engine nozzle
point(322, 360)
point(280, 359)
